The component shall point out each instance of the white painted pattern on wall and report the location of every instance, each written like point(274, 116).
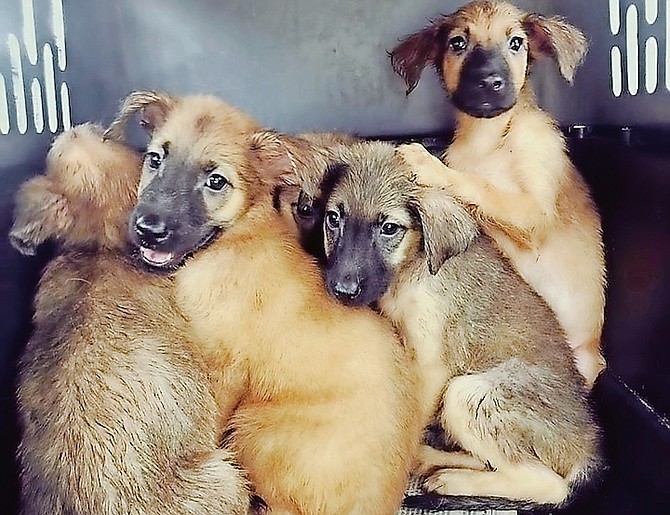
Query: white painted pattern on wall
point(667, 45)
point(33, 93)
point(635, 58)
point(632, 50)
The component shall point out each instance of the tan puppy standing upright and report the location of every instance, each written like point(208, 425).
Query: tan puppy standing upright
point(113, 401)
point(323, 398)
point(508, 160)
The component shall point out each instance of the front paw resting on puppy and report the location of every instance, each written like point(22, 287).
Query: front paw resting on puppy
point(428, 169)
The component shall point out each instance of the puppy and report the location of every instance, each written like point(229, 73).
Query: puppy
point(324, 421)
point(114, 406)
point(298, 197)
point(493, 360)
point(513, 169)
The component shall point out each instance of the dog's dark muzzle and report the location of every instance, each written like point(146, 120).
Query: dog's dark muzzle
point(347, 289)
point(163, 242)
point(153, 239)
point(485, 89)
point(355, 269)
point(151, 230)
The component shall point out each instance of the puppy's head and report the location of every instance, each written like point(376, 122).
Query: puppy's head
point(302, 161)
point(196, 180)
point(378, 221)
point(85, 196)
point(483, 52)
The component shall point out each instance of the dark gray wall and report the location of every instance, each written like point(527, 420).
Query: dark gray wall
point(591, 100)
point(294, 64)
point(301, 64)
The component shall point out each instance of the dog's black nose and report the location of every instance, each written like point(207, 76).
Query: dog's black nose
point(493, 82)
point(151, 229)
point(347, 289)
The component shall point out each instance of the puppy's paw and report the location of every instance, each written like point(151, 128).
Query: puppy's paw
point(415, 154)
point(428, 169)
point(590, 363)
point(453, 482)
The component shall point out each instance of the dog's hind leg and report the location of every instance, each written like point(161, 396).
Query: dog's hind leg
point(209, 483)
point(526, 425)
point(466, 416)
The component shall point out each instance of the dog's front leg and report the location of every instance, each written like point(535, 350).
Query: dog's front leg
point(517, 211)
point(429, 460)
point(429, 170)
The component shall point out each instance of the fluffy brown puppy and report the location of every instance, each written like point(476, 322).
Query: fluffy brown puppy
point(325, 421)
point(493, 360)
point(116, 414)
point(508, 160)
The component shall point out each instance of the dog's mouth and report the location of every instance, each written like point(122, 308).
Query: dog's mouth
point(156, 257)
point(482, 109)
point(167, 261)
point(158, 261)
point(478, 104)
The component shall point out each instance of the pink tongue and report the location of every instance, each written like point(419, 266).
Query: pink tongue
point(156, 257)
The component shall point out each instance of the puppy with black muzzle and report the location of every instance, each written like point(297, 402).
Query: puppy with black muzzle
point(494, 363)
point(321, 399)
point(299, 198)
point(507, 161)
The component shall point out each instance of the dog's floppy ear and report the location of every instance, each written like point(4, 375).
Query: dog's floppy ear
point(415, 51)
point(152, 106)
point(446, 225)
point(40, 213)
point(290, 159)
point(555, 38)
point(270, 154)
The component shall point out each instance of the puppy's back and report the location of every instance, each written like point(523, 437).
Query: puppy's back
point(524, 324)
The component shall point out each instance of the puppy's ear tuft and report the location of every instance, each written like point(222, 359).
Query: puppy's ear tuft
point(152, 106)
point(447, 227)
point(40, 214)
point(554, 37)
point(415, 52)
point(294, 160)
point(270, 155)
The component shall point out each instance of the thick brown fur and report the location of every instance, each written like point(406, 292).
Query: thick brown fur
point(512, 169)
point(114, 405)
point(325, 422)
point(494, 363)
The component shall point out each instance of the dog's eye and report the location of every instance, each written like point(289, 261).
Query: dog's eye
point(390, 229)
point(305, 210)
point(332, 219)
point(458, 43)
point(515, 43)
point(153, 159)
point(216, 182)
